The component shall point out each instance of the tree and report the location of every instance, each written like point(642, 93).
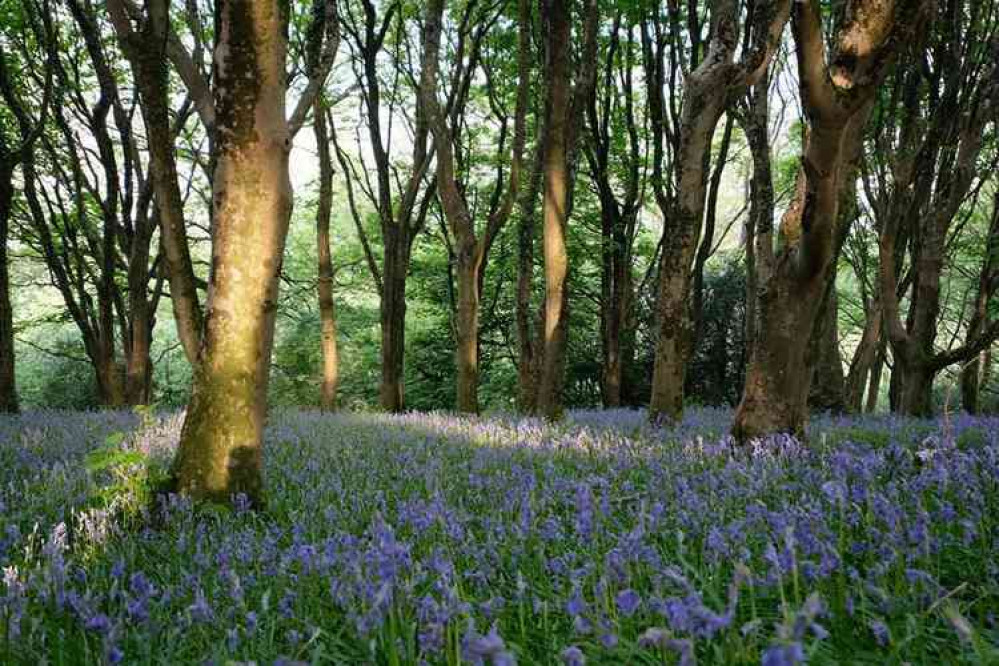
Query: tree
point(836, 99)
point(146, 49)
point(563, 113)
point(14, 149)
point(709, 85)
point(945, 113)
point(471, 248)
point(976, 368)
point(401, 206)
point(220, 446)
point(88, 217)
point(610, 111)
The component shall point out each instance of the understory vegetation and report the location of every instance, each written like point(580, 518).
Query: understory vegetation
point(439, 539)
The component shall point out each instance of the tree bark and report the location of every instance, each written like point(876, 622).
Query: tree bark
point(707, 91)
point(827, 390)
point(864, 357)
point(837, 101)
point(221, 441)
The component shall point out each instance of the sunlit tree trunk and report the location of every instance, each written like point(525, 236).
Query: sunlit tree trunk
point(563, 113)
point(220, 446)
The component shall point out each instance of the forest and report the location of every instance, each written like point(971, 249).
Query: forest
point(499, 331)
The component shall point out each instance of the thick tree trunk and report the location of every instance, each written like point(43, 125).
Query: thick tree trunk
point(837, 98)
point(874, 385)
point(915, 396)
point(8, 387)
point(779, 372)
point(221, 441)
point(330, 376)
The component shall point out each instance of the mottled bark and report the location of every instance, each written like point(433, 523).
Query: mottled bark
point(707, 91)
point(755, 122)
point(221, 441)
point(837, 101)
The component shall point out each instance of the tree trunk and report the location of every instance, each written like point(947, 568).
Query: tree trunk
point(971, 383)
point(8, 388)
point(467, 348)
point(146, 51)
point(707, 91)
point(527, 348)
point(827, 392)
point(557, 181)
point(915, 396)
point(221, 441)
point(774, 397)
point(874, 386)
point(329, 379)
point(862, 363)
point(393, 323)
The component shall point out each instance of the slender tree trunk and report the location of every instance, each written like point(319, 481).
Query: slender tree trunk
point(971, 383)
point(330, 377)
point(467, 348)
point(874, 386)
point(863, 360)
point(527, 347)
point(557, 181)
point(393, 324)
point(221, 441)
point(138, 364)
point(146, 51)
point(8, 388)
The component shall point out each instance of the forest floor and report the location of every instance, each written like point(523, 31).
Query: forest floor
point(429, 538)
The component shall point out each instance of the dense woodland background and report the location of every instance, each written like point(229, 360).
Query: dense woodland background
point(911, 297)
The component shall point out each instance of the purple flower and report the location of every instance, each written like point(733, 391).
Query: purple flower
point(783, 655)
point(573, 656)
point(628, 602)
